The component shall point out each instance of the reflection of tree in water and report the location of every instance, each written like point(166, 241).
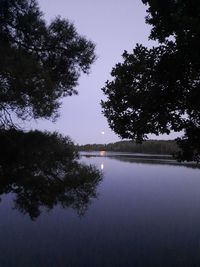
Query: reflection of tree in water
point(41, 169)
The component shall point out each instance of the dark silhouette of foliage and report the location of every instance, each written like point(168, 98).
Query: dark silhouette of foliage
point(161, 147)
point(39, 63)
point(157, 90)
point(189, 145)
point(41, 170)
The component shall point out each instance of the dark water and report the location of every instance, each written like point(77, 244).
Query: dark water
point(143, 214)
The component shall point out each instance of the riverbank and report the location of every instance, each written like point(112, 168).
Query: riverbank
point(158, 147)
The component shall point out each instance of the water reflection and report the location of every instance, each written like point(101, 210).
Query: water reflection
point(102, 153)
point(140, 158)
point(41, 170)
point(156, 161)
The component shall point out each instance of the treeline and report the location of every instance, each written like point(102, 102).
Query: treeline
point(165, 147)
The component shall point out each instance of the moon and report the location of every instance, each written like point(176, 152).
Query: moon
point(102, 132)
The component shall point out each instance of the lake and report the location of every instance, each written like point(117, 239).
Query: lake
point(144, 213)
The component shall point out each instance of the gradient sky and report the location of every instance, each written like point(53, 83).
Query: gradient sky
point(114, 26)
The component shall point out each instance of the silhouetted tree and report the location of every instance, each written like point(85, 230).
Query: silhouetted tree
point(39, 63)
point(42, 171)
point(157, 90)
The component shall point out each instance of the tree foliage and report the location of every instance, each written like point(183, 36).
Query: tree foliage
point(41, 170)
point(39, 63)
point(161, 147)
point(157, 90)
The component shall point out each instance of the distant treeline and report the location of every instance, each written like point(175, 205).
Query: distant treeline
point(164, 147)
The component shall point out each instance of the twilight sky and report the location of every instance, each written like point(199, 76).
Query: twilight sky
point(114, 26)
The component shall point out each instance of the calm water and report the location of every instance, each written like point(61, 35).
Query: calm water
point(143, 214)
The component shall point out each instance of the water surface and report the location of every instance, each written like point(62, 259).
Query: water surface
point(142, 214)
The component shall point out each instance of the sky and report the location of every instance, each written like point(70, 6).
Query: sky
point(114, 26)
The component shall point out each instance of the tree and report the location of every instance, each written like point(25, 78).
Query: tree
point(39, 63)
point(42, 170)
point(157, 90)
